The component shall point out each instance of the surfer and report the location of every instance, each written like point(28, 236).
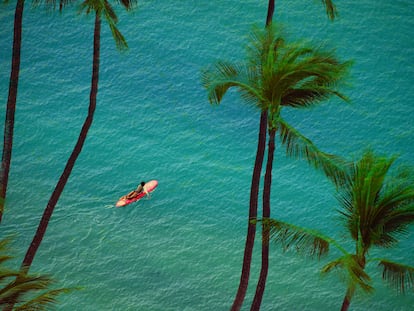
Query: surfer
point(134, 193)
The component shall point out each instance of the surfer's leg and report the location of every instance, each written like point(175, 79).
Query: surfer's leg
point(130, 195)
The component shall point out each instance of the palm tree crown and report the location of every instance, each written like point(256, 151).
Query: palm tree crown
point(377, 207)
point(278, 74)
point(376, 211)
point(31, 292)
point(104, 9)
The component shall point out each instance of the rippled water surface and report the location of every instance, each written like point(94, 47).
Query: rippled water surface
point(183, 248)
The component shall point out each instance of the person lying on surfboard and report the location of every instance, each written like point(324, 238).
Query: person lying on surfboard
point(134, 193)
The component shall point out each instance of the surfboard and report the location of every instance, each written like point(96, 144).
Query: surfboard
point(149, 186)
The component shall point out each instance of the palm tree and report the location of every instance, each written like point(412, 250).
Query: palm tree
point(254, 189)
point(294, 76)
point(376, 209)
point(23, 288)
point(12, 97)
point(11, 104)
point(332, 13)
point(100, 8)
point(260, 80)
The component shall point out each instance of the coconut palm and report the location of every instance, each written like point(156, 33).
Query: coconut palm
point(376, 208)
point(294, 76)
point(254, 189)
point(262, 83)
point(100, 9)
point(332, 13)
point(24, 289)
point(12, 97)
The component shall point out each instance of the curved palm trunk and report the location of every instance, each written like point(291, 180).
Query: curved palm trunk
point(11, 104)
point(75, 153)
point(47, 214)
point(265, 249)
point(251, 227)
point(257, 301)
point(254, 194)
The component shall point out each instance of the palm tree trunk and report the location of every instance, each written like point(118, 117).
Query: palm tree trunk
point(254, 194)
point(251, 226)
point(257, 301)
point(270, 11)
point(11, 104)
point(47, 214)
point(347, 299)
point(75, 153)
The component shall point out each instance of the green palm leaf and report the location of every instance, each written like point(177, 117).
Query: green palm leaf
point(225, 75)
point(23, 289)
point(355, 274)
point(104, 8)
point(44, 301)
point(330, 9)
point(397, 275)
point(307, 242)
point(376, 211)
point(22, 286)
point(298, 146)
point(308, 96)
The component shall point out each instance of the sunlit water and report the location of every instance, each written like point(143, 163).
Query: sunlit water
point(183, 248)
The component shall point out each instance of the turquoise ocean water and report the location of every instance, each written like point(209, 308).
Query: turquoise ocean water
point(182, 250)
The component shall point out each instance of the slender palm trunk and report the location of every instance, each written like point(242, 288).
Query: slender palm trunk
point(254, 194)
point(270, 11)
point(75, 153)
point(347, 299)
point(47, 214)
point(265, 263)
point(257, 301)
point(251, 226)
point(11, 104)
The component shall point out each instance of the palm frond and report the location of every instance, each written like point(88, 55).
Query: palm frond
point(128, 4)
point(18, 287)
point(88, 6)
point(45, 300)
point(376, 212)
point(354, 273)
point(330, 9)
point(224, 75)
point(309, 96)
point(319, 69)
point(398, 276)
point(392, 226)
point(108, 11)
point(24, 283)
point(6, 274)
point(4, 249)
point(21, 291)
point(309, 243)
point(111, 18)
point(334, 264)
point(120, 41)
point(298, 146)
point(264, 42)
point(104, 9)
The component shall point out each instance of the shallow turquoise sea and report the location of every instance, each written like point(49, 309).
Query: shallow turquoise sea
point(183, 248)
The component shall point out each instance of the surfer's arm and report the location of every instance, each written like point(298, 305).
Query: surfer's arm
point(146, 191)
